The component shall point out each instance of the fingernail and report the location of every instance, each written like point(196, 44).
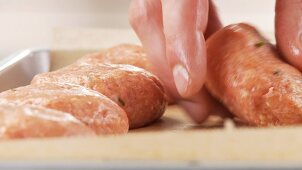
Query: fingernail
point(181, 78)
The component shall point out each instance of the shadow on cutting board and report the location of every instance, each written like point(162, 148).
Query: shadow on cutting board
point(176, 119)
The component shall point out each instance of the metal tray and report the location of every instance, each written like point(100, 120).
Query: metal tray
point(18, 70)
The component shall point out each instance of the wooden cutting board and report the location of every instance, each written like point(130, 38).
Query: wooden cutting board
point(173, 138)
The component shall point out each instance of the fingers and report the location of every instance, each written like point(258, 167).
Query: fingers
point(203, 104)
point(288, 25)
point(200, 106)
point(214, 23)
point(145, 17)
point(184, 22)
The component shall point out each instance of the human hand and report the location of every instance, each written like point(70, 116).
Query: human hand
point(173, 34)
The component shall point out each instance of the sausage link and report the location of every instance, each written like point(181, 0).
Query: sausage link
point(137, 91)
point(246, 73)
point(90, 107)
point(28, 121)
point(120, 54)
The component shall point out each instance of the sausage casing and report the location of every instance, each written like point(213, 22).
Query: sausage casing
point(137, 91)
point(246, 73)
point(28, 121)
point(90, 107)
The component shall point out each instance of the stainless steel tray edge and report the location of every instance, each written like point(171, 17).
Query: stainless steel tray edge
point(19, 68)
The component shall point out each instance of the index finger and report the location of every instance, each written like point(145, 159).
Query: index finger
point(184, 22)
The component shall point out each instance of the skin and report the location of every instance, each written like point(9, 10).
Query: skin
point(180, 27)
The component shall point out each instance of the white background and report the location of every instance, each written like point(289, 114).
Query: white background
point(29, 23)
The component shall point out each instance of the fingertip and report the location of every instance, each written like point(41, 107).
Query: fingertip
point(200, 106)
point(187, 85)
point(181, 78)
point(195, 111)
point(187, 59)
point(183, 26)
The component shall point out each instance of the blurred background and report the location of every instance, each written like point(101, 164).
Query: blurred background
point(30, 23)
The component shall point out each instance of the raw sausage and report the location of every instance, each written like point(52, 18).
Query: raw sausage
point(246, 73)
point(28, 121)
point(92, 108)
point(119, 54)
point(137, 91)
point(135, 55)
